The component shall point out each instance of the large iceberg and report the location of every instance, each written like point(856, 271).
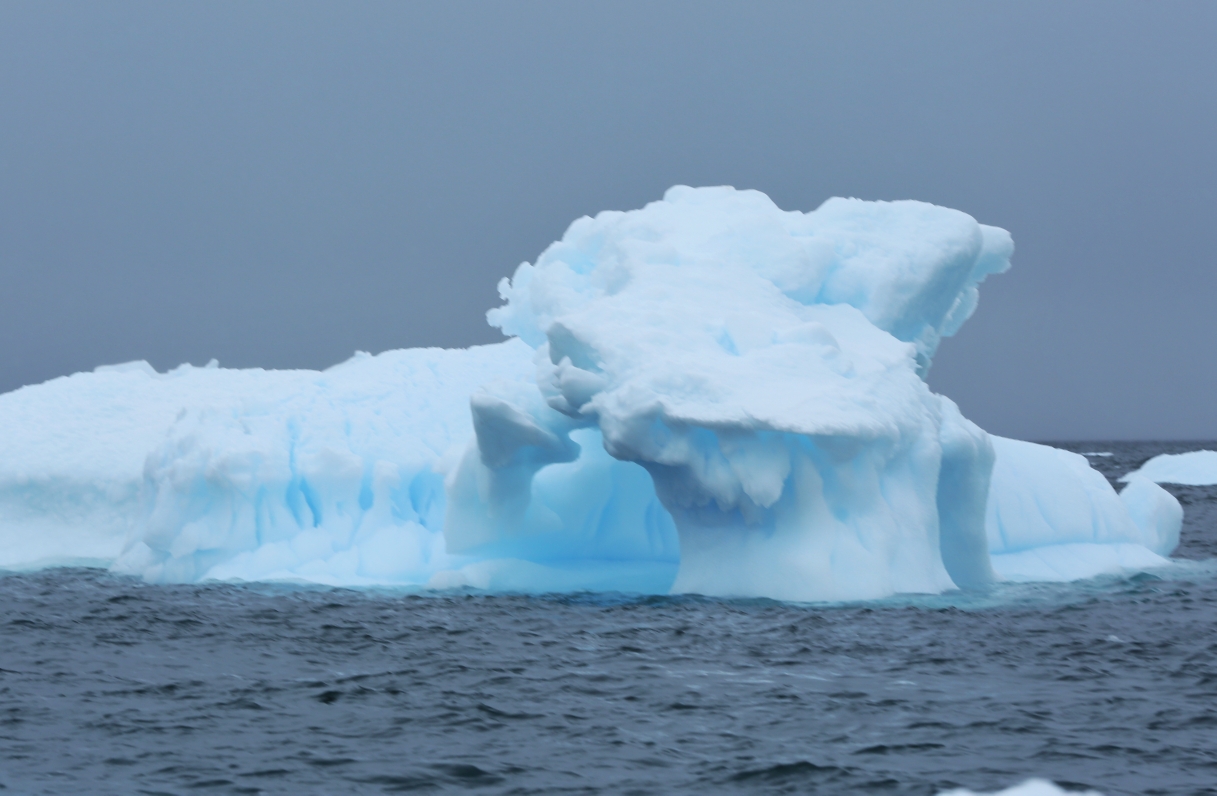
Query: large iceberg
point(706, 395)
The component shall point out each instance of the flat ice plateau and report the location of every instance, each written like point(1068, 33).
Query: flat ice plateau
point(707, 395)
point(1194, 468)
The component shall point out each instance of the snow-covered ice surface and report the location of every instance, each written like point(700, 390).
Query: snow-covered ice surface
point(1194, 468)
point(707, 395)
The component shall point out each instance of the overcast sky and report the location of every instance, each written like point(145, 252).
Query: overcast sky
point(281, 184)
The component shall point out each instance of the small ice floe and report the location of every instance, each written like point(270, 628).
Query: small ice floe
point(1032, 787)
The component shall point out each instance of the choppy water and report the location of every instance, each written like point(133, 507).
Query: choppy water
point(108, 685)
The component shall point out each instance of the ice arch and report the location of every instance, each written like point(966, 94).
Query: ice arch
point(766, 369)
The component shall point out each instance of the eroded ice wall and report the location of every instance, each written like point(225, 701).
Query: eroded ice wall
point(243, 474)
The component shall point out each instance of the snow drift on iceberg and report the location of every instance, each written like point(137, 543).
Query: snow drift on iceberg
point(705, 395)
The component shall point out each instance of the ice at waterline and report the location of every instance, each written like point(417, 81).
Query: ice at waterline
point(706, 395)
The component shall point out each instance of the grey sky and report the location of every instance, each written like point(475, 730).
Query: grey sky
point(280, 184)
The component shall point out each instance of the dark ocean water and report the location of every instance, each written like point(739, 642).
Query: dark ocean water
point(111, 686)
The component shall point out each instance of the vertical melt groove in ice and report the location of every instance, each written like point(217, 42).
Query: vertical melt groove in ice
point(706, 395)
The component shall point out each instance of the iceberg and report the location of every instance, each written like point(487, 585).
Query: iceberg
point(1032, 787)
point(707, 395)
point(1194, 468)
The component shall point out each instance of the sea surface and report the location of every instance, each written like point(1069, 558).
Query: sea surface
point(112, 686)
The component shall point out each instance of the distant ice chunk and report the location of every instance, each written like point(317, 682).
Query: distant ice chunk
point(1195, 468)
point(1032, 787)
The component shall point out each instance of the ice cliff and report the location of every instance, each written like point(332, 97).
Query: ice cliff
point(706, 395)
